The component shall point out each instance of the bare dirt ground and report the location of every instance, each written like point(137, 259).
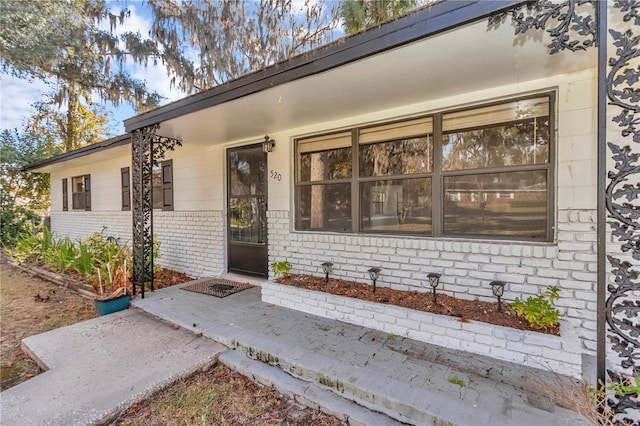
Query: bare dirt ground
point(29, 305)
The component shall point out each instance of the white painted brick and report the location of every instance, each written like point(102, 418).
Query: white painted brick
point(524, 349)
point(490, 341)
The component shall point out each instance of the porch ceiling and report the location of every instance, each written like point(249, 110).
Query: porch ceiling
point(466, 59)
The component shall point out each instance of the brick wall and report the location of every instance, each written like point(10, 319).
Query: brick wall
point(191, 242)
point(467, 266)
point(527, 348)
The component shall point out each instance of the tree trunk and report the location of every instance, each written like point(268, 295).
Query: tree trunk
point(318, 172)
point(73, 123)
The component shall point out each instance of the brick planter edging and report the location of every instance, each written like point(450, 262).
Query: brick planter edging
point(560, 354)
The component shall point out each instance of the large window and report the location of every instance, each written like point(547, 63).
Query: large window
point(81, 192)
point(485, 171)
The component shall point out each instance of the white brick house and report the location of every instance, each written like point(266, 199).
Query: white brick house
point(488, 172)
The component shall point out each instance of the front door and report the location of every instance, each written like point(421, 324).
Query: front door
point(247, 210)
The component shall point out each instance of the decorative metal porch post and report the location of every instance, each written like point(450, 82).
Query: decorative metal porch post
point(618, 186)
point(142, 203)
point(147, 150)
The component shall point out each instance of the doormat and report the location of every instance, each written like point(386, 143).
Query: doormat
point(217, 287)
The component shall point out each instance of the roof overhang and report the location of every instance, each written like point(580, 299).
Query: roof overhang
point(103, 150)
point(423, 24)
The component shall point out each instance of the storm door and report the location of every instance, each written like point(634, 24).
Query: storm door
point(247, 210)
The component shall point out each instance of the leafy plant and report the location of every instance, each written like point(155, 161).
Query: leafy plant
point(281, 268)
point(626, 386)
point(538, 310)
point(83, 263)
point(457, 381)
point(62, 255)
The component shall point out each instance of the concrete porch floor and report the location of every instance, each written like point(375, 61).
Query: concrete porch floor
point(330, 364)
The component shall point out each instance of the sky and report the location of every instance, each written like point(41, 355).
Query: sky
point(17, 95)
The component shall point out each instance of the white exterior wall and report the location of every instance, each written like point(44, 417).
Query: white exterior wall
point(193, 236)
point(469, 265)
point(106, 206)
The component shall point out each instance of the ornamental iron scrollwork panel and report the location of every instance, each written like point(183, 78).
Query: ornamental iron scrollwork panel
point(572, 30)
point(563, 21)
point(622, 196)
point(147, 150)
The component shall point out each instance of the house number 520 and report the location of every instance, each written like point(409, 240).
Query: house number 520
point(275, 175)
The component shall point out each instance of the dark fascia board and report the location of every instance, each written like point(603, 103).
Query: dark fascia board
point(422, 24)
point(81, 152)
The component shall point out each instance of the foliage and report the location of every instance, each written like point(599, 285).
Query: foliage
point(64, 44)
point(627, 386)
point(61, 255)
point(50, 121)
point(457, 381)
point(538, 311)
point(17, 149)
point(31, 245)
point(231, 38)
point(359, 15)
point(281, 268)
point(15, 221)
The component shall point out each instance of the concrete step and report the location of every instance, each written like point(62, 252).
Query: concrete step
point(409, 381)
point(422, 392)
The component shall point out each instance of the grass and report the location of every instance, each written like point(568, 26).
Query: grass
point(221, 396)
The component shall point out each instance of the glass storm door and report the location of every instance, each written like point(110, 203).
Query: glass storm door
point(247, 210)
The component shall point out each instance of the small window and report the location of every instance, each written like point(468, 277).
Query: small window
point(65, 195)
point(162, 181)
point(81, 192)
point(125, 188)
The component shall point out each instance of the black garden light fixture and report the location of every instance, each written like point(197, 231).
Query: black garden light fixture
point(497, 287)
point(268, 144)
point(326, 268)
point(374, 273)
point(434, 280)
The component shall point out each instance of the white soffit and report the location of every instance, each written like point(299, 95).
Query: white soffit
point(107, 154)
point(460, 61)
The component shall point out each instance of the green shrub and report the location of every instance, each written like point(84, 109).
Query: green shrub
point(33, 245)
point(538, 311)
point(281, 268)
point(61, 255)
point(84, 262)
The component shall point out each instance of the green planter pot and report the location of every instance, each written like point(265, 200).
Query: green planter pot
point(105, 307)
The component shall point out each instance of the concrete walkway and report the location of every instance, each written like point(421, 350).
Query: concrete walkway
point(409, 381)
point(102, 366)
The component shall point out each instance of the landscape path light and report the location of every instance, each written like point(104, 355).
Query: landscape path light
point(497, 287)
point(374, 273)
point(434, 279)
point(326, 268)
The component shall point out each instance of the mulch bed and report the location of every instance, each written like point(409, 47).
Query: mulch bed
point(466, 310)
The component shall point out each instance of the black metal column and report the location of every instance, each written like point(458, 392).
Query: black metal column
point(142, 203)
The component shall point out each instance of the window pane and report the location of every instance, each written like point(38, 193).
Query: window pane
point(325, 165)
point(400, 157)
point(246, 171)
point(501, 204)
point(509, 134)
point(326, 207)
point(156, 182)
point(77, 184)
point(396, 206)
point(244, 220)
